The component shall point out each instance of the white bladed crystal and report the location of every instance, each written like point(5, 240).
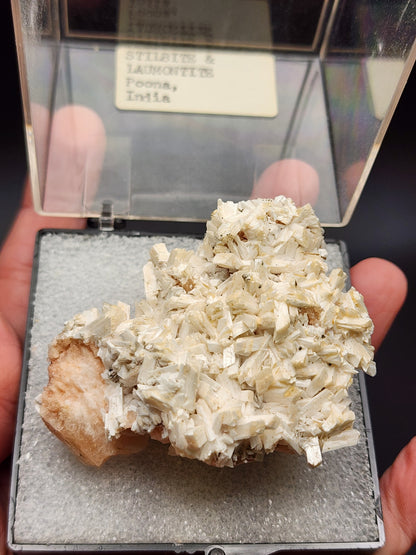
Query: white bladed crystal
point(240, 348)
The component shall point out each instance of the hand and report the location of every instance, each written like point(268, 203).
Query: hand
point(370, 277)
point(384, 289)
point(78, 136)
point(15, 276)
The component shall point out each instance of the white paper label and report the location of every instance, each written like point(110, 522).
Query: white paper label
point(194, 80)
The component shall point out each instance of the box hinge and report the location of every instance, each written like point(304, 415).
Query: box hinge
point(106, 221)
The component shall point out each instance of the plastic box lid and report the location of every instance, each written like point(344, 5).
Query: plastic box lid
point(157, 109)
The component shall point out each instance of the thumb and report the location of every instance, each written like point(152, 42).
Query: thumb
point(10, 364)
point(398, 487)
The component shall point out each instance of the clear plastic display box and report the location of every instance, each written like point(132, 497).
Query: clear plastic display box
point(139, 110)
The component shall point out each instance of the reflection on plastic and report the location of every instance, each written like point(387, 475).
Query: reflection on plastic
point(71, 170)
point(351, 177)
point(293, 178)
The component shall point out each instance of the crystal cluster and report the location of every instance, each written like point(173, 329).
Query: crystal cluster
point(240, 348)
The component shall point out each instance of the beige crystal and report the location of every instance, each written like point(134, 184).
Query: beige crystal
point(240, 348)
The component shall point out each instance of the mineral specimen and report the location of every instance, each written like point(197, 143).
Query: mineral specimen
point(241, 348)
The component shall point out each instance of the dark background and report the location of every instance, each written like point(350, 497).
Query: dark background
point(383, 225)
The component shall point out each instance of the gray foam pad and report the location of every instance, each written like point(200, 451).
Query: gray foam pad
point(154, 498)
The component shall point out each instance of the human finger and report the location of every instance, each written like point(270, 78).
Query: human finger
point(351, 177)
point(10, 363)
point(384, 287)
point(398, 487)
point(75, 160)
point(290, 177)
point(16, 259)
point(77, 139)
point(40, 119)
